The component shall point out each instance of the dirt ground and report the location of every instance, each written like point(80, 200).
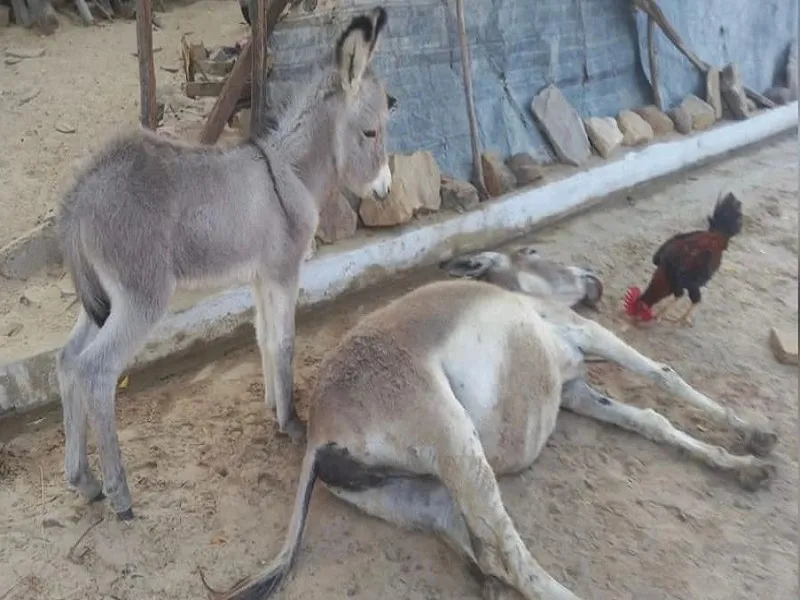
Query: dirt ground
point(87, 81)
point(610, 515)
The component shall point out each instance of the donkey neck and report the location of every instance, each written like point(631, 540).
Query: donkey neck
point(308, 145)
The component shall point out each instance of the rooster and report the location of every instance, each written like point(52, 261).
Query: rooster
point(686, 262)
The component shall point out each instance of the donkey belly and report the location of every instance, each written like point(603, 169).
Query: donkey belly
point(510, 385)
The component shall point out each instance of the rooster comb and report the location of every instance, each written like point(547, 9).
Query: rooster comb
point(631, 297)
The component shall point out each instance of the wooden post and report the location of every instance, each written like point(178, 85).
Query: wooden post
point(226, 101)
point(237, 80)
point(259, 67)
point(652, 53)
point(466, 71)
point(147, 70)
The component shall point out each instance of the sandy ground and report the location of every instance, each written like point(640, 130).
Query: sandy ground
point(87, 80)
point(609, 514)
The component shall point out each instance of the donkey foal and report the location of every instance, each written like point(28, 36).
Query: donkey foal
point(149, 215)
point(428, 399)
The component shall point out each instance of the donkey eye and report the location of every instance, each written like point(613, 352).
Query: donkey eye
point(370, 133)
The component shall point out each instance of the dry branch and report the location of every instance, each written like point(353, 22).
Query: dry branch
point(259, 65)
point(147, 71)
point(652, 54)
point(466, 70)
point(228, 97)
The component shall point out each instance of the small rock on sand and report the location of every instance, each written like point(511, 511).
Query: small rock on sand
point(525, 169)
point(458, 195)
point(702, 113)
point(22, 53)
point(65, 127)
point(784, 345)
point(604, 134)
point(656, 118)
point(497, 177)
point(562, 125)
point(635, 130)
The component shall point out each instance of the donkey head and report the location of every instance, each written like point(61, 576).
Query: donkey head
point(363, 108)
point(525, 270)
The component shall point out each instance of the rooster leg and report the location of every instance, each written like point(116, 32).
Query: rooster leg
point(580, 398)
point(593, 338)
point(661, 311)
point(686, 317)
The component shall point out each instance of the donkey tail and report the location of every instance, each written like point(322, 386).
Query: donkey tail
point(90, 291)
point(261, 585)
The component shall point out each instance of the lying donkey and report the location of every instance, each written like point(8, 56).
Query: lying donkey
point(428, 399)
point(149, 214)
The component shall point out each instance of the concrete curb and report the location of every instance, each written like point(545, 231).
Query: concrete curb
point(31, 383)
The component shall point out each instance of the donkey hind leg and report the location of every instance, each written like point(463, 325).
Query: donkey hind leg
point(462, 466)
point(276, 303)
point(98, 368)
point(580, 398)
point(593, 338)
point(76, 462)
point(424, 504)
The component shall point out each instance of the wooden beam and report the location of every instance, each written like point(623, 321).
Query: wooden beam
point(466, 71)
point(653, 11)
point(652, 53)
point(147, 71)
point(226, 101)
point(259, 70)
point(240, 76)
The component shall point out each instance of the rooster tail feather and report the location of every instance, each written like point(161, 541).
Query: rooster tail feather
point(727, 216)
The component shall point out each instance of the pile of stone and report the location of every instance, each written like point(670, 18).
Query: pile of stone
point(419, 188)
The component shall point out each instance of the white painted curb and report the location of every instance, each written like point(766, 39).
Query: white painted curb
point(340, 269)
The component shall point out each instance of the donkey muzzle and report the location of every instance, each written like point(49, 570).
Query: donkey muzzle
point(382, 183)
point(594, 290)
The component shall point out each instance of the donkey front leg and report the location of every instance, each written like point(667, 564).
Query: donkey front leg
point(276, 303)
point(593, 338)
point(580, 398)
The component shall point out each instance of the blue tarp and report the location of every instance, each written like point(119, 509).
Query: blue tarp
point(591, 49)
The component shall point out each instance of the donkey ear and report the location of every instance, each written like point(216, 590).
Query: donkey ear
point(356, 46)
point(471, 267)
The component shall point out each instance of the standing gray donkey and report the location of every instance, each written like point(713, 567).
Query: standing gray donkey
point(149, 215)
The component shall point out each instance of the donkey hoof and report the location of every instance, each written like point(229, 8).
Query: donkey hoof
point(761, 443)
point(756, 475)
point(296, 430)
point(98, 497)
point(125, 515)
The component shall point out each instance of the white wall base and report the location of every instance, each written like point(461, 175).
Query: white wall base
point(341, 269)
